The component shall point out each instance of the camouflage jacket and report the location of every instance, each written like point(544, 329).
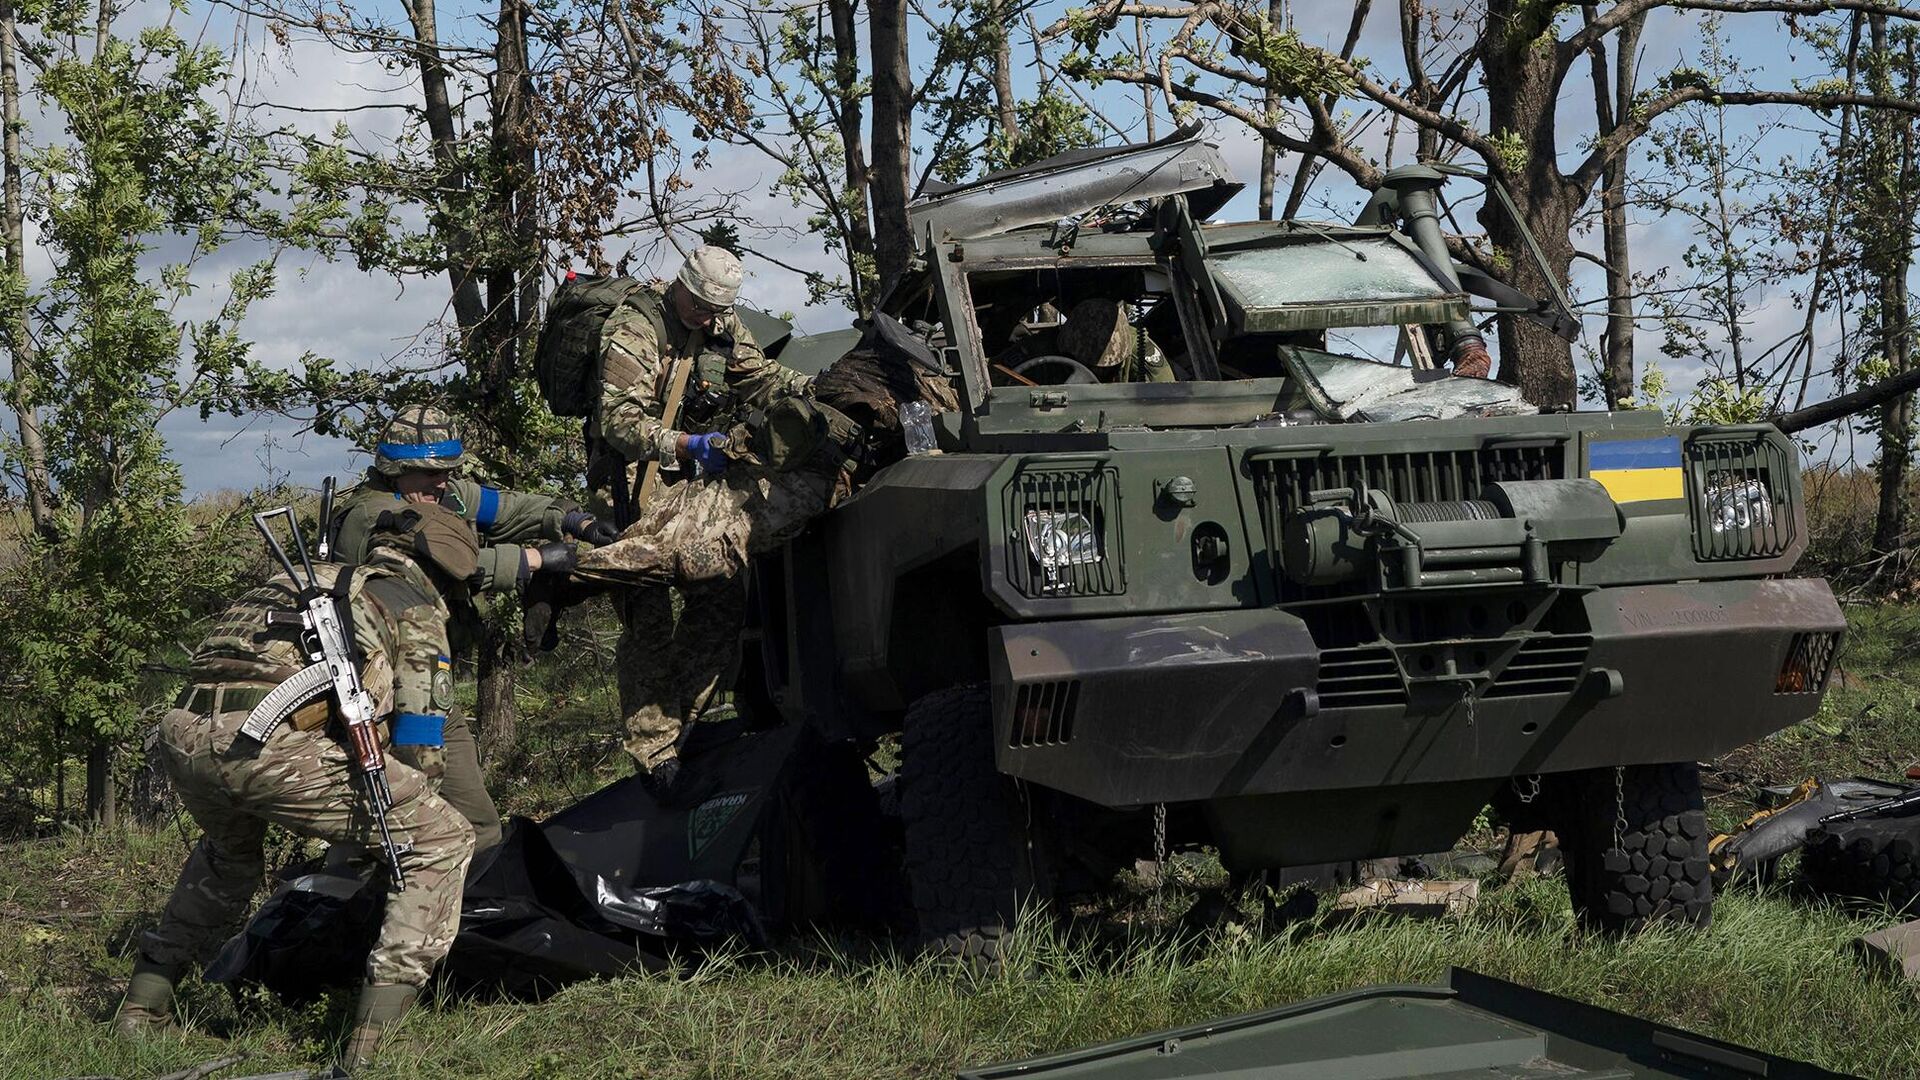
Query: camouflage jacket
point(399, 623)
point(508, 521)
point(637, 378)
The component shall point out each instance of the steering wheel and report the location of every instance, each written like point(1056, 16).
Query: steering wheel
point(1056, 371)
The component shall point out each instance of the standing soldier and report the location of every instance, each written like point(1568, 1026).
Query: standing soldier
point(685, 390)
point(520, 535)
point(300, 776)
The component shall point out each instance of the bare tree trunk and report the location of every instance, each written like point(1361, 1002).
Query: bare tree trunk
point(26, 374)
point(513, 292)
point(1001, 25)
point(1890, 227)
point(468, 310)
point(892, 150)
point(102, 807)
point(1522, 83)
point(1532, 357)
point(505, 324)
point(851, 118)
point(1617, 372)
point(1269, 153)
point(1146, 92)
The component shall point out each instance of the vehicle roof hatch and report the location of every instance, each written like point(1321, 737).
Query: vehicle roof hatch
point(1075, 182)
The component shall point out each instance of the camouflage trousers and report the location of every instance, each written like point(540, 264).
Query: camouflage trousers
point(677, 651)
point(703, 530)
point(303, 782)
point(696, 535)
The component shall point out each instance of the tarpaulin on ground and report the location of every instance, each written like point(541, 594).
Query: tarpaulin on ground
point(614, 883)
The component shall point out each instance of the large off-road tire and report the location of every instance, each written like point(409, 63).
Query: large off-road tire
point(1876, 860)
point(967, 861)
point(1659, 870)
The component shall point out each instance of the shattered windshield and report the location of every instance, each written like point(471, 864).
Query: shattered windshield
point(1326, 328)
point(1351, 389)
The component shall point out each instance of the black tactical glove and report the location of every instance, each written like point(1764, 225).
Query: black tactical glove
point(558, 557)
point(584, 526)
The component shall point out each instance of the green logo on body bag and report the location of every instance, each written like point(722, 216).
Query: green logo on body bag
point(707, 820)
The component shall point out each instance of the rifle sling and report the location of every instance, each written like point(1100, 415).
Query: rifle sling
point(676, 392)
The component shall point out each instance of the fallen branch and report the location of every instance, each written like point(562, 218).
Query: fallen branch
point(1822, 412)
point(206, 1069)
point(51, 918)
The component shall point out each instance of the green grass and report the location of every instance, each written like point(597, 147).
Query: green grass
point(1773, 973)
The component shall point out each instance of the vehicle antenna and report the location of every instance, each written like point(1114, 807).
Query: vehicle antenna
point(1325, 235)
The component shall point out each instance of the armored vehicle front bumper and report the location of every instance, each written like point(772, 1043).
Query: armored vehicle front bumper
point(1218, 706)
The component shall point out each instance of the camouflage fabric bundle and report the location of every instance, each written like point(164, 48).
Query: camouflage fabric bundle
point(888, 368)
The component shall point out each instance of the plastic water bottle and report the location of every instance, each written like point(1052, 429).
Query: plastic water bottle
point(916, 426)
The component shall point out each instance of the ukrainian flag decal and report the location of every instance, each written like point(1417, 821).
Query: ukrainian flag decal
point(1637, 470)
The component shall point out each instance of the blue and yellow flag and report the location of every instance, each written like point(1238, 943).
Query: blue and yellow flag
point(1638, 470)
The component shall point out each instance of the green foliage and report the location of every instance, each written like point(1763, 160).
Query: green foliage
point(1295, 68)
point(1512, 150)
point(1049, 124)
point(146, 156)
point(1714, 179)
point(1651, 392)
point(1718, 401)
point(722, 234)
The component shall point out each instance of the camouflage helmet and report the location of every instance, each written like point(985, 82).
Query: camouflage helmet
point(431, 535)
point(712, 274)
point(419, 438)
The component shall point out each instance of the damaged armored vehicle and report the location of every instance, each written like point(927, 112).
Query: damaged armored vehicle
point(1215, 551)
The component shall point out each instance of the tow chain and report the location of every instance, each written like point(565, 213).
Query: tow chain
point(1530, 792)
point(1619, 807)
point(1159, 856)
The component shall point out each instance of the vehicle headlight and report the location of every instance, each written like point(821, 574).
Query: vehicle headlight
point(1058, 539)
point(1738, 506)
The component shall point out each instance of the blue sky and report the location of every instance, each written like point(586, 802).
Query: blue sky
point(369, 319)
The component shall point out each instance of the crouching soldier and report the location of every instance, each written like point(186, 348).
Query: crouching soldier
point(519, 535)
point(301, 775)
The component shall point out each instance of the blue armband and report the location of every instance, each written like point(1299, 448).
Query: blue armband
point(419, 729)
point(489, 509)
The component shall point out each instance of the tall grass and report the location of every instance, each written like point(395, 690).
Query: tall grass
point(1772, 973)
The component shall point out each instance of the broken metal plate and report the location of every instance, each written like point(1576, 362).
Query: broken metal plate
point(1069, 184)
point(1473, 1026)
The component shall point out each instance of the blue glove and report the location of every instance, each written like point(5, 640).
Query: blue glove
point(709, 452)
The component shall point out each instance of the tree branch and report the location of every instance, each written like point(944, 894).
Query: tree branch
point(1625, 11)
point(1631, 128)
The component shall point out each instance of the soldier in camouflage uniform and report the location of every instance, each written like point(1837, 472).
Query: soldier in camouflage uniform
point(728, 500)
point(301, 777)
point(520, 535)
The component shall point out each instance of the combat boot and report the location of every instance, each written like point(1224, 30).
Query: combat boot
point(148, 1006)
point(376, 1010)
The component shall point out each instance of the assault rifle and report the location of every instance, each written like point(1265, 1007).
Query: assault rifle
point(1882, 808)
point(328, 641)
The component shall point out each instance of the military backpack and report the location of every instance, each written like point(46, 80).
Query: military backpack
point(566, 362)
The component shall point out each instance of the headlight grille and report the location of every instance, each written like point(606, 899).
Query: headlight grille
point(1739, 488)
point(1809, 662)
point(1063, 531)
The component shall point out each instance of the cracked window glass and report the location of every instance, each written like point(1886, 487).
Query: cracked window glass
point(1326, 283)
point(1327, 271)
